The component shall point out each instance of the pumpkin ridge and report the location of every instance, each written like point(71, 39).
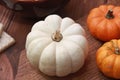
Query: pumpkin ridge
point(102, 66)
point(107, 55)
point(113, 73)
point(48, 34)
point(67, 57)
point(116, 12)
point(96, 17)
point(74, 53)
point(70, 58)
point(35, 40)
point(102, 12)
point(100, 24)
point(74, 30)
point(73, 35)
point(116, 47)
point(117, 67)
point(91, 28)
point(54, 21)
point(42, 54)
point(76, 42)
point(117, 23)
point(103, 7)
point(38, 28)
point(55, 59)
point(47, 45)
point(95, 13)
point(108, 48)
point(32, 49)
point(38, 39)
point(111, 42)
point(30, 36)
point(63, 27)
point(72, 42)
point(107, 31)
point(38, 31)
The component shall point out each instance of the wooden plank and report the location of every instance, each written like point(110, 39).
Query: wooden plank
point(75, 9)
point(6, 71)
point(18, 27)
point(78, 8)
point(5, 16)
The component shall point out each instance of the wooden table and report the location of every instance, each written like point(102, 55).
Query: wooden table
point(13, 62)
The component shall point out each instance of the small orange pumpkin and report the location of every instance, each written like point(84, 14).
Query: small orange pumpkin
point(108, 58)
point(104, 22)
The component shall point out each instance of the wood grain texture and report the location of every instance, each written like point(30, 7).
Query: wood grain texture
point(18, 28)
point(79, 8)
point(14, 62)
point(5, 16)
point(6, 71)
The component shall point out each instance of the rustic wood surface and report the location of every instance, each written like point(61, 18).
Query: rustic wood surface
point(13, 62)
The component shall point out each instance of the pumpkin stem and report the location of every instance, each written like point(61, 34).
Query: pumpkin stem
point(109, 14)
point(117, 50)
point(57, 36)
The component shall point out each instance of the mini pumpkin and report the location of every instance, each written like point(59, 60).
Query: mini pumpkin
point(57, 46)
point(108, 58)
point(104, 22)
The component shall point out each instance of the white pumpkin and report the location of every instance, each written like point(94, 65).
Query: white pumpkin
point(57, 46)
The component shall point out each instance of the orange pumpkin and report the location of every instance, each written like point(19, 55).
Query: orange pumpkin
point(104, 22)
point(108, 58)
